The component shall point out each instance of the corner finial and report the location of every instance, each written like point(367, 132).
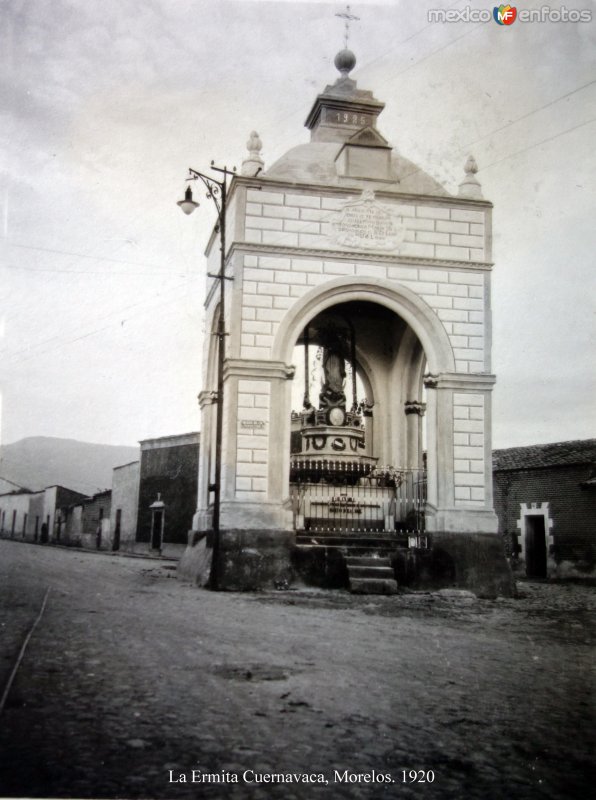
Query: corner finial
point(471, 167)
point(470, 186)
point(254, 164)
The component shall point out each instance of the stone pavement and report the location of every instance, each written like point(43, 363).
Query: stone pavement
point(132, 677)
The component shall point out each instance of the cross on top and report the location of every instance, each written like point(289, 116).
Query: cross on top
point(345, 15)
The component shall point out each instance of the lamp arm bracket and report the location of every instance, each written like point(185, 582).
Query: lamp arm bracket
point(219, 277)
point(214, 187)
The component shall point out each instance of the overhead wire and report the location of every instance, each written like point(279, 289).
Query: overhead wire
point(531, 113)
point(365, 66)
point(58, 338)
point(491, 164)
point(18, 309)
point(429, 55)
point(103, 273)
point(83, 255)
point(464, 147)
point(486, 135)
point(541, 142)
point(409, 67)
point(418, 169)
point(277, 121)
point(117, 312)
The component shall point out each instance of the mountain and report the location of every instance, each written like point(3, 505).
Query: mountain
point(40, 461)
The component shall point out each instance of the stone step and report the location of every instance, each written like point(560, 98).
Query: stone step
point(368, 561)
point(369, 569)
point(368, 553)
point(384, 572)
point(369, 575)
point(351, 551)
point(353, 548)
point(389, 542)
point(373, 586)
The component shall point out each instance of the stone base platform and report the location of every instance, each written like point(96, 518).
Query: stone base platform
point(245, 560)
point(249, 560)
point(472, 561)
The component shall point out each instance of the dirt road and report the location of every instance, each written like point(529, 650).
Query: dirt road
point(133, 680)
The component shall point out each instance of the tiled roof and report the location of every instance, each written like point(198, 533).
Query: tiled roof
point(581, 451)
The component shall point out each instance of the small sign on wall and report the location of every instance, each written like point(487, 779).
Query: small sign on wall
point(252, 424)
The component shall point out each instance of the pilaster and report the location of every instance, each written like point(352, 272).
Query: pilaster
point(463, 500)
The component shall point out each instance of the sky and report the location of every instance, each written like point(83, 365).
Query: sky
point(106, 105)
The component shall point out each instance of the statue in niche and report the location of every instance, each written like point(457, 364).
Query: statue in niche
point(332, 393)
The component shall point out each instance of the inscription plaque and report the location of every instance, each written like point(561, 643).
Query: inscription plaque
point(253, 424)
point(366, 224)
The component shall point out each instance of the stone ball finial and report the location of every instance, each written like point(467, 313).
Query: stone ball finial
point(345, 61)
point(254, 144)
point(254, 164)
point(470, 186)
point(471, 167)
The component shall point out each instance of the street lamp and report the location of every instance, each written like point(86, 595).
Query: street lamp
point(217, 190)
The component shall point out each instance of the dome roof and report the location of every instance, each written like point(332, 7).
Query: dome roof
point(314, 162)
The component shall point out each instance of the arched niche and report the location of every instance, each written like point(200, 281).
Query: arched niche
point(402, 301)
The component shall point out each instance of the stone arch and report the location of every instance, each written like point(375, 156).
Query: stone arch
point(399, 299)
point(427, 341)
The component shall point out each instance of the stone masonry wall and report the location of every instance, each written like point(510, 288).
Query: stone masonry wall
point(287, 242)
point(302, 220)
point(252, 439)
point(273, 283)
point(468, 449)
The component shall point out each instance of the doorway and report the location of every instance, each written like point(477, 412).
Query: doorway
point(156, 530)
point(535, 546)
point(116, 542)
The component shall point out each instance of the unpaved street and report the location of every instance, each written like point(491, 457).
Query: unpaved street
point(132, 678)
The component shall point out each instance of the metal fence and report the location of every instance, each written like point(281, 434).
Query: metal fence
point(370, 505)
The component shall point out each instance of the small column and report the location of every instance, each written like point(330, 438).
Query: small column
point(414, 411)
point(203, 515)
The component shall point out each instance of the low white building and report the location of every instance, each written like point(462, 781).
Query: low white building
point(24, 513)
point(125, 502)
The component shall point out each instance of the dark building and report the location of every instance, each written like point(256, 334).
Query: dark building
point(545, 499)
point(167, 489)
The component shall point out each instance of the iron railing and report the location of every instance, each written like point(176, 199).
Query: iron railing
point(374, 504)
